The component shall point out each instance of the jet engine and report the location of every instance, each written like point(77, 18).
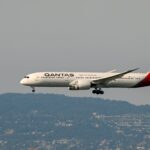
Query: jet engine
point(80, 85)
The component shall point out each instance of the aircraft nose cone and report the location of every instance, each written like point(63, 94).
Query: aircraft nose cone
point(22, 81)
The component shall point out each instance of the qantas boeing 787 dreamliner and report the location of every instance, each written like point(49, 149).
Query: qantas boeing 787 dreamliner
point(87, 80)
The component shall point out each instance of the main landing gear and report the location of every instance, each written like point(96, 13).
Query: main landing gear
point(33, 89)
point(97, 91)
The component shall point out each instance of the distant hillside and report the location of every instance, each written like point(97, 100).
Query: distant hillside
point(58, 122)
point(65, 104)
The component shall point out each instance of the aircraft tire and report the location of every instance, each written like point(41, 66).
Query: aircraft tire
point(33, 91)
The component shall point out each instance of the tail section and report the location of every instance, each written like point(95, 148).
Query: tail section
point(144, 82)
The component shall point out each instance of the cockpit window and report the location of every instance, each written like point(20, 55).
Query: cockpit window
point(26, 77)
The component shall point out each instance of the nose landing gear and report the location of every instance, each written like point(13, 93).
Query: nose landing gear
point(97, 91)
point(33, 89)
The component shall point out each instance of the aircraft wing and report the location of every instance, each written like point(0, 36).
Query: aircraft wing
point(112, 77)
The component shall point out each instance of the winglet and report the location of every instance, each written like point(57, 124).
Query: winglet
point(132, 70)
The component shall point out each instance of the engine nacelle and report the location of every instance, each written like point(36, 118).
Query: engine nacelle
point(80, 85)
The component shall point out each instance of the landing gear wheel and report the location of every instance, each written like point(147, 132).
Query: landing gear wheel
point(98, 91)
point(33, 89)
point(101, 92)
point(94, 91)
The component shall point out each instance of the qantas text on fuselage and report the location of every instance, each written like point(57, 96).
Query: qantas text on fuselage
point(87, 80)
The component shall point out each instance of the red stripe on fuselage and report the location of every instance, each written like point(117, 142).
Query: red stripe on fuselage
point(144, 82)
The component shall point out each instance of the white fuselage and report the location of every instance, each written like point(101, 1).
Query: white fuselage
point(64, 79)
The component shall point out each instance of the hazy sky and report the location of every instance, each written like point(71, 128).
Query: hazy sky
point(74, 35)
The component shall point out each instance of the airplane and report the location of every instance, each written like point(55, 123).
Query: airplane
point(87, 80)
